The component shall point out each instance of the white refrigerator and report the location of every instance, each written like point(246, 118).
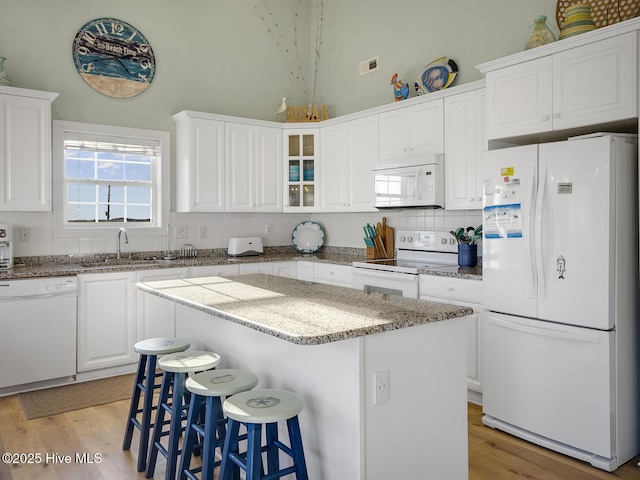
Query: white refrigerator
point(560, 278)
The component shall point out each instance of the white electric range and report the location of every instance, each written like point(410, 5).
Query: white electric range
point(416, 250)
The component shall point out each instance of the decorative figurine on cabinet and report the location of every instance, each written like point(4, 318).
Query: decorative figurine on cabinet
point(400, 88)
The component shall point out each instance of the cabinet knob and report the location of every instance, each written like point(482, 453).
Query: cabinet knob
point(479, 199)
point(544, 118)
point(556, 115)
point(451, 289)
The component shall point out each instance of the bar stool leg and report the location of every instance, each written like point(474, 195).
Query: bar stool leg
point(254, 451)
point(293, 426)
point(167, 380)
point(135, 403)
point(213, 411)
point(147, 408)
point(230, 449)
point(190, 435)
point(175, 425)
point(273, 460)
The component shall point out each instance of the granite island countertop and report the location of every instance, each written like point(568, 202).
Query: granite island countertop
point(300, 312)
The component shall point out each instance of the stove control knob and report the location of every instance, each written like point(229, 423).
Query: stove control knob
point(402, 238)
point(451, 242)
point(409, 239)
point(443, 241)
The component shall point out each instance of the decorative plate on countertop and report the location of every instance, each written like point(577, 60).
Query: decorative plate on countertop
point(308, 237)
point(438, 75)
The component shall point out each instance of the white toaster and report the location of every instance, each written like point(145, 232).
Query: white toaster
point(243, 246)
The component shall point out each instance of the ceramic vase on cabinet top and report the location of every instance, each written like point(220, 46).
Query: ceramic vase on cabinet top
point(541, 33)
point(577, 20)
point(4, 79)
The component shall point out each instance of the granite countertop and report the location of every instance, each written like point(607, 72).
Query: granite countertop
point(63, 265)
point(469, 273)
point(301, 312)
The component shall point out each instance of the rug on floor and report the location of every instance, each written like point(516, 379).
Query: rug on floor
point(55, 400)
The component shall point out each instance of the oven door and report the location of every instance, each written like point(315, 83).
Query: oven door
point(392, 283)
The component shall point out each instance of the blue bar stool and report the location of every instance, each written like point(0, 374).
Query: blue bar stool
point(175, 368)
point(149, 351)
point(206, 389)
point(254, 409)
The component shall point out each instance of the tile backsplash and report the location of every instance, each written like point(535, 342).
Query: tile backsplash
point(342, 230)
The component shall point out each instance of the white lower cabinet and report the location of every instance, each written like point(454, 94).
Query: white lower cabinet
point(304, 271)
point(106, 320)
point(213, 271)
point(264, 267)
point(331, 274)
point(467, 293)
point(155, 315)
point(285, 269)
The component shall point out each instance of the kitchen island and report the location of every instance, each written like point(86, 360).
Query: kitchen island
point(327, 343)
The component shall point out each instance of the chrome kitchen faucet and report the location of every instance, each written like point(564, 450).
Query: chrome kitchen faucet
point(126, 240)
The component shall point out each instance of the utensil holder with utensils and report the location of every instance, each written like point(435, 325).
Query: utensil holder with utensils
point(379, 240)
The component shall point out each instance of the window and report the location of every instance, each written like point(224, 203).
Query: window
point(110, 176)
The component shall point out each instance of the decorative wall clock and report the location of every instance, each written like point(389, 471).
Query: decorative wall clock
point(113, 57)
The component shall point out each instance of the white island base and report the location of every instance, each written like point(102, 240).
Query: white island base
point(419, 433)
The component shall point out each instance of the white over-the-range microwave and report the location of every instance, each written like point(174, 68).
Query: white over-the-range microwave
point(417, 185)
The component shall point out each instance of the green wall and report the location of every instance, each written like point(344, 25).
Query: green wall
point(217, 55)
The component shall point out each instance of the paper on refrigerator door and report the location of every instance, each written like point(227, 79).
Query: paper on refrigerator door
point(503, 221)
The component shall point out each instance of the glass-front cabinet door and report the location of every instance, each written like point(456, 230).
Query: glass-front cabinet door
point(301, 170)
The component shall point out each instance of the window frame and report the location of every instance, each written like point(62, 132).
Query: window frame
point(62, 129)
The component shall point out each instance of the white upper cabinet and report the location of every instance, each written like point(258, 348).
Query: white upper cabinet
point(595, 83)
point(227, 166)
point(25, 149)
point(349, 153)
point(588, 84)
point(253, 168)
point(302, 170)
point(463, 147)
point(200, 166)
point(407, 133)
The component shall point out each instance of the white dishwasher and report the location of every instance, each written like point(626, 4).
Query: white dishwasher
point(38, 325)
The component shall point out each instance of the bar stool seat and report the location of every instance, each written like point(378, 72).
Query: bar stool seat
point(207, 389)
point(175, 368)
point(149, 350)
point(254, 409)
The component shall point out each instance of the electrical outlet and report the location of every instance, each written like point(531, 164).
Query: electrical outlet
point(25, 234)
point(268, 229)
point(202, 231)
point(381, 387)
point(181, 232)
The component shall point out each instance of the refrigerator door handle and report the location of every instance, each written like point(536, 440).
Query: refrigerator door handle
point(538, 231)
point(528, 246)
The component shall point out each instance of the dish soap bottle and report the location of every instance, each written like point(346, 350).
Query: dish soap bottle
point(541, 33)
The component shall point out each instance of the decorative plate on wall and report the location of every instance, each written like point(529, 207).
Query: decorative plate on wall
point(113, 57)
point(438, 75)
point(308, 237)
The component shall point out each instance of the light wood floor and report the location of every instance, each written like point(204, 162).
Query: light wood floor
point(492, 455)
